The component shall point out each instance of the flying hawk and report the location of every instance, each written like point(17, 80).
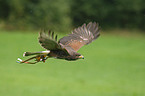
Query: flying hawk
point(67, 47)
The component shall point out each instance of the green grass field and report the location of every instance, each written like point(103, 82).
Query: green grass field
point(114, 65)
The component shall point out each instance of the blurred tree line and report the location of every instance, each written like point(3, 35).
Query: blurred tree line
point(62, 15)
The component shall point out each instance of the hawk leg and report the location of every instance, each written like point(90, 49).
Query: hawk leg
point(37, 58)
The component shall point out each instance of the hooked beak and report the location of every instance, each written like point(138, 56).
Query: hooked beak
point(81, 57)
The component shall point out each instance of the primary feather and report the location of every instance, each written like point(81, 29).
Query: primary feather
point(81, 36)
point(47, 41)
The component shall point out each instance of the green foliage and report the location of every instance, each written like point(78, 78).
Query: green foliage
point(37, 14)
point(110, 13)
point(113, 66)
point(61, 15)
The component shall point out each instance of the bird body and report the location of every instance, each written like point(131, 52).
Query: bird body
point(67, 47)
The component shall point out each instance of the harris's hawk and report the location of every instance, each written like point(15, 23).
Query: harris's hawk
point(67, 47)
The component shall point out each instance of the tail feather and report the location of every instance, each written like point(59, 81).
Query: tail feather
point(36, 53)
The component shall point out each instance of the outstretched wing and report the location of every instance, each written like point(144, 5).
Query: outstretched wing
point(81, 36)
point(48, 41)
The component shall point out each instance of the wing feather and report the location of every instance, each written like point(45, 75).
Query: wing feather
point(81, 36)
point(47, 41)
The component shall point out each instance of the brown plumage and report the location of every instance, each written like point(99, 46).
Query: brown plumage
point(67, 47)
